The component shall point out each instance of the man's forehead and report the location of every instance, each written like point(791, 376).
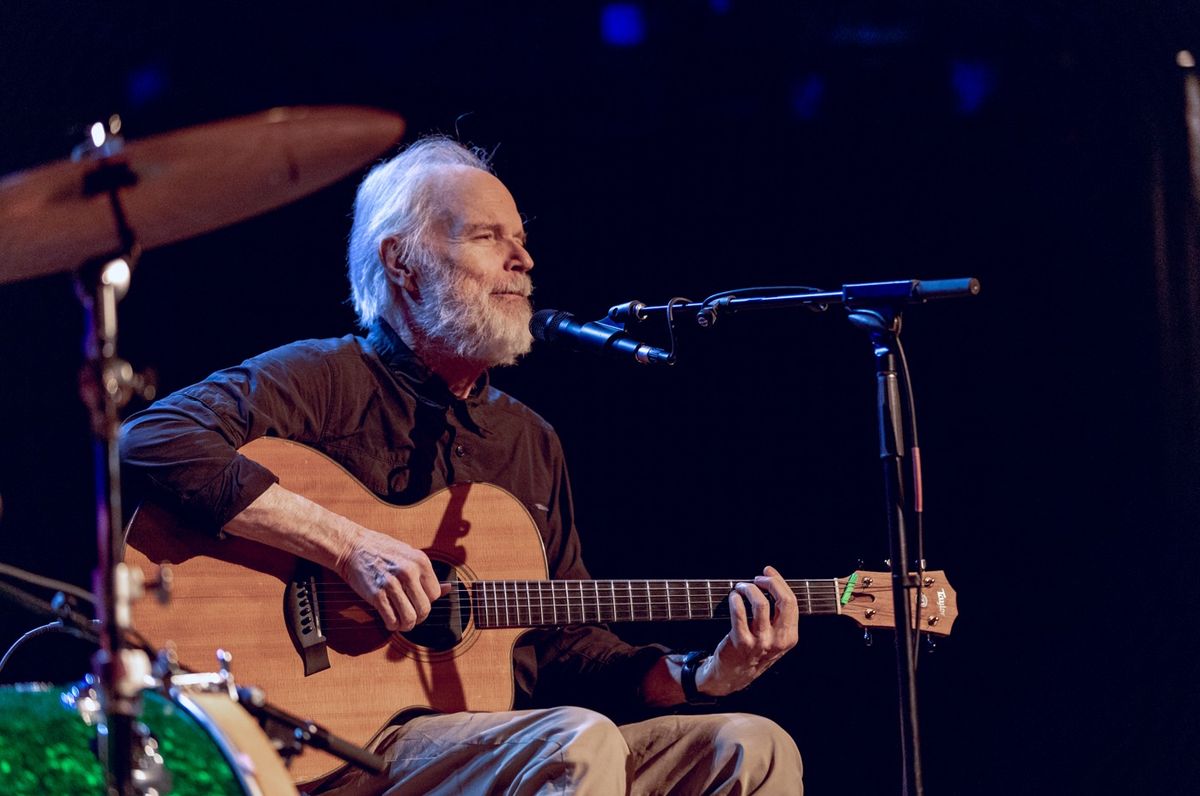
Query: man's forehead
point(462, 195)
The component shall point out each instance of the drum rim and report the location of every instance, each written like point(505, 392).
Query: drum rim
point(182, 698)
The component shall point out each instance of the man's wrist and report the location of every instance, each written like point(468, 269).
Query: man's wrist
point(689, 669)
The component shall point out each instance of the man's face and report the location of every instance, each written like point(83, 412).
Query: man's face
point(474, 291)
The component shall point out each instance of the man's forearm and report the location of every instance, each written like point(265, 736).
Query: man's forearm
point(393, 577)
point(290, 522)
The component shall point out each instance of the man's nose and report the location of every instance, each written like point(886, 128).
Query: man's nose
point(520, 259)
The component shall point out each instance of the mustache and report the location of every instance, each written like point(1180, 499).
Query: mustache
point(523, 287)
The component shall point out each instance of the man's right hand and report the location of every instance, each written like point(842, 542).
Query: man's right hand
point(396, 579)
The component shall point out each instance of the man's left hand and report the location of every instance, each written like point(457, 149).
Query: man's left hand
point(753, 643)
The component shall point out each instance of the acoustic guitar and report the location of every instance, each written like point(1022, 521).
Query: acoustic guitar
point(318, 650)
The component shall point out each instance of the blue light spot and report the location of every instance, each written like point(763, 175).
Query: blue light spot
point(720, 6)
point(973, 82)
point(807, 95)
point(146, 84)
point(622, 24)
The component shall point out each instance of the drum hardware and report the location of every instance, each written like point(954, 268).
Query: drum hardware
point(94, 214)
point(292, 733)
point(149, 774)
point(289, 734)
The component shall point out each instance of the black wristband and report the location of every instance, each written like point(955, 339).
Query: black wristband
point(687, 678)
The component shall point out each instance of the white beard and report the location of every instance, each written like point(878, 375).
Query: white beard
point(459, 317)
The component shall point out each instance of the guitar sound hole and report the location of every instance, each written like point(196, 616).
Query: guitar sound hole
point(448, 617)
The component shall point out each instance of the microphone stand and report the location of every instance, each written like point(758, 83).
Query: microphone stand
point(874, 307)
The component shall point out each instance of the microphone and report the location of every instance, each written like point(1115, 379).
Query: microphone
point(560, 328)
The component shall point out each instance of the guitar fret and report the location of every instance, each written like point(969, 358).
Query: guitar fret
point(487, 604)
point(808, 596)
point(837, 603)
point(480, 605)
point(504, 587)
point(632, 612)
point(483, 600)
point(649, 602)
point(596, 592)
point(687, 588)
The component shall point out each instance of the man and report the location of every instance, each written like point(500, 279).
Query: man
point(440, 278)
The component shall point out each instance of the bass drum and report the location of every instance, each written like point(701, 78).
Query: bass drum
point(208, 744)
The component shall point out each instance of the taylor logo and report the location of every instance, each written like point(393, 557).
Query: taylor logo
point(924, 600)
point(942, 601)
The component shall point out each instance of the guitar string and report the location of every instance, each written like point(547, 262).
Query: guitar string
point(489, 613)
point(487, 608)
point(498, 598)
point(640, 588)
point(651, 597)
point(515, 597)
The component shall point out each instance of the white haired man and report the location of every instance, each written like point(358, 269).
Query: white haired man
point(440, 277)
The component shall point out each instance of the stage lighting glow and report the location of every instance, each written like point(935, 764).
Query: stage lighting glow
point(807, 94)
point(973, 82)
point(1185, 59)
point(146, 84)
point(622, 24)
point(98, 134)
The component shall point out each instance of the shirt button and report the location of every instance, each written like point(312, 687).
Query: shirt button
point(460, 451)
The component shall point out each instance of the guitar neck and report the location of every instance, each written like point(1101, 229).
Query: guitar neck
point(541, 603)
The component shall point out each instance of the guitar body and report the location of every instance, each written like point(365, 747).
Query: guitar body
point(231, 594)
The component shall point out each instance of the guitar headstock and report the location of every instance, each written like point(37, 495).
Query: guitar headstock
point(869, 602)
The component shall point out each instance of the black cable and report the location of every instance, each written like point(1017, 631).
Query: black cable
point(57, 626)
point(671, 321)
point(910, 415)
point(781, 289)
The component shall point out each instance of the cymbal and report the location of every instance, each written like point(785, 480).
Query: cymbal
point(188, 182)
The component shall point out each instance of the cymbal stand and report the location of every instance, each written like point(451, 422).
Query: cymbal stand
point(106, 384)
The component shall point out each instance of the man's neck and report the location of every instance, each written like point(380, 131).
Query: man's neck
point(459, 374)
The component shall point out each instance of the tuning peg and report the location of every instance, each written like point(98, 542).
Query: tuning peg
point(868, 638)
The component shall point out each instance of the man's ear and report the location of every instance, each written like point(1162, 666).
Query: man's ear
point(398, 271)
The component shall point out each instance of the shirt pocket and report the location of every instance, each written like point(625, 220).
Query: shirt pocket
point(386, 473)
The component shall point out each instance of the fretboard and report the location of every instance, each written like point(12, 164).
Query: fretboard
point(536, 603)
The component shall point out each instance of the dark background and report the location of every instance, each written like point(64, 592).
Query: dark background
point(679, 149)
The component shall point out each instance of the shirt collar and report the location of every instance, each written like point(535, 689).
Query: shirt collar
point(406, 366)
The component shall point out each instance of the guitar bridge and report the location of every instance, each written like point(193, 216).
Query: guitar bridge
point(303, 619)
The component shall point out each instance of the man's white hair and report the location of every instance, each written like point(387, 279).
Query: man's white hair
point(394, 201)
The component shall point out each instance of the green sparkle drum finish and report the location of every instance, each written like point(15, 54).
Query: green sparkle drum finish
point(46, 748)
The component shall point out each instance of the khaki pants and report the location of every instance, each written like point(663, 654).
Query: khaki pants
point(576, 751)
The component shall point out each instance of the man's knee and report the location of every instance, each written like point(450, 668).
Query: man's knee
point(589, 742)
point(763, 751)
